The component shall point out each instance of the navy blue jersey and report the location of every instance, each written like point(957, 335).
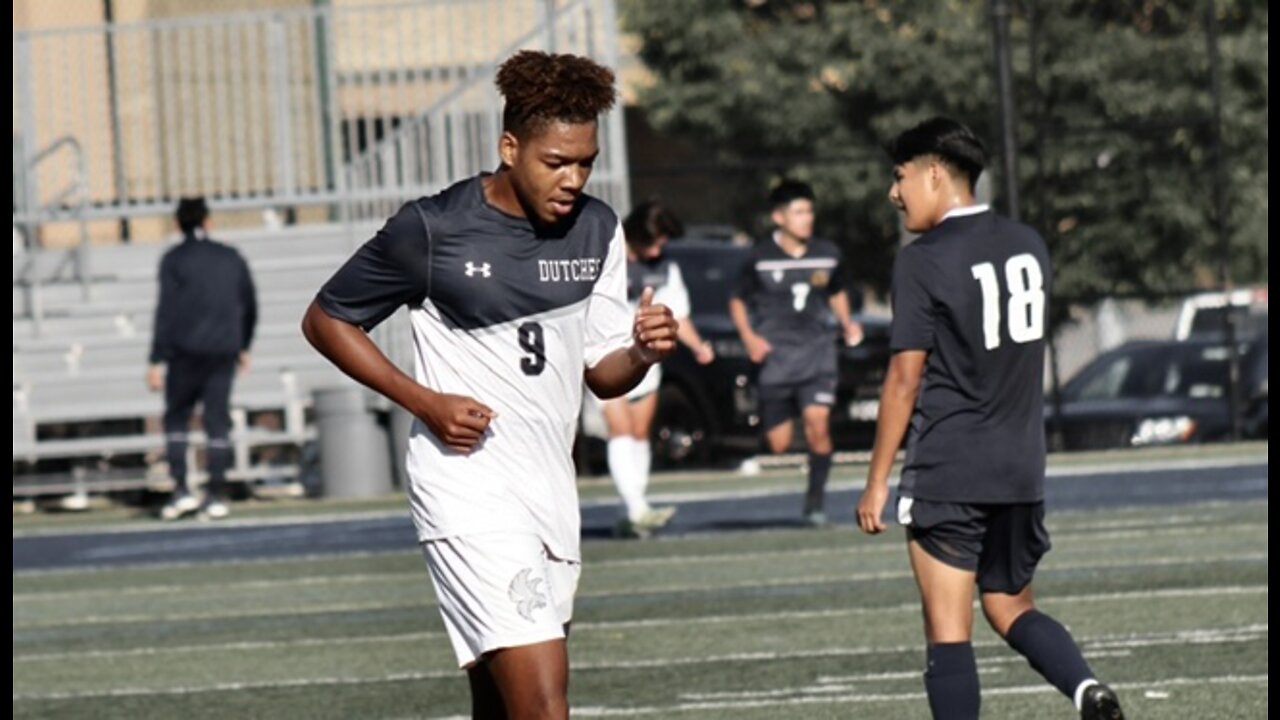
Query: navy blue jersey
point(973, 293)
point(509, 316)
point(789, 299)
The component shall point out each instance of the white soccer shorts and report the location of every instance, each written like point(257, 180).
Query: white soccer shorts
point(499, 590)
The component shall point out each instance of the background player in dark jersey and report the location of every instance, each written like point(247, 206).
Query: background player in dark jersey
point(969, 312)
point(648, 228)
point(516, 289)
point(782, 307)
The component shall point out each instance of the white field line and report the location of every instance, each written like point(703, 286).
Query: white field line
point(418, 575)
point(649, 590)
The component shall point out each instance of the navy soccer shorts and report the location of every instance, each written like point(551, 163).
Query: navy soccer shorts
point(1002, 544)
point(780, 403)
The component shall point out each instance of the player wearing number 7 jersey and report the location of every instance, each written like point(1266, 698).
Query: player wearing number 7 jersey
point(785, 307)
point(968, 336)
point(516, 288)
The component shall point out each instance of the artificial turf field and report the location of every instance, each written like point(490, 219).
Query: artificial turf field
point(1170, 604)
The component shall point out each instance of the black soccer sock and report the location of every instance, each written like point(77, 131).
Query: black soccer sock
point(1051, 651)
point(819, 471)
point(951, 682)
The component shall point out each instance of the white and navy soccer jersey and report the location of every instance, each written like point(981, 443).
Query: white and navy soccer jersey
point(973, 292)
point(508, 317)
point(789, 299)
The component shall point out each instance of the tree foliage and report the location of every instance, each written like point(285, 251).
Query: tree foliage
point(1119, 108)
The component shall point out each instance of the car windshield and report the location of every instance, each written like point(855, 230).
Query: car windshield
point(1198, 372)
point(710, 273)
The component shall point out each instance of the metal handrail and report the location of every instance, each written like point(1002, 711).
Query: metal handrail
point(77, 192)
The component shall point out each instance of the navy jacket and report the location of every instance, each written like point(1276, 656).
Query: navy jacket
point(207, 306)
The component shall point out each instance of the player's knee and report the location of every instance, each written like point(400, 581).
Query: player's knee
point(947, 633)
point(819, 439)
point(547, 703)
point(1003, 612)
point(817, 427)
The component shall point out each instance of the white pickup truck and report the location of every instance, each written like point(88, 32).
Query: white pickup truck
point(1201, 314)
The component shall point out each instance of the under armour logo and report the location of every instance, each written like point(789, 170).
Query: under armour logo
point(525, 594)
point(777, 275)
point(474, 269)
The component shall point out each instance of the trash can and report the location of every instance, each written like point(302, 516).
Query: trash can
point(355, 457)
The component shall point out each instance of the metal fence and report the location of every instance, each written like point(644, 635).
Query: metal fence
point(364, 106)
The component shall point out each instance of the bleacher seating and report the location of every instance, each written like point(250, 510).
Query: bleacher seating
point(79, 369)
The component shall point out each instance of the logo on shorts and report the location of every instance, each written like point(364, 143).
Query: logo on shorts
point(525, 594)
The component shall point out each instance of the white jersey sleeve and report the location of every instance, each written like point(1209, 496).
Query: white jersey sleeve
point(674, 294)
point(609, 318)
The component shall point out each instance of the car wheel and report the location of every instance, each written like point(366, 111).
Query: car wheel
point(680, 434)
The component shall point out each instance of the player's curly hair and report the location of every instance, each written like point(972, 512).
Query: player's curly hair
point(541, 87)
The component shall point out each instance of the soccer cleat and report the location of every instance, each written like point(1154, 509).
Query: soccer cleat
point(628, 530)
point(815, 519)
point(643, 527)
point(1100, 703)
point(655, 518)
point(214, 508)
point(180, 504)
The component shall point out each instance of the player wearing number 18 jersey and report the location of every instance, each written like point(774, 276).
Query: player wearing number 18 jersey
point(968, 336)
point(516, 288)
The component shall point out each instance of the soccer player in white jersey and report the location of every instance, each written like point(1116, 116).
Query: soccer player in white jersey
point(516, 287)
point(648, 228)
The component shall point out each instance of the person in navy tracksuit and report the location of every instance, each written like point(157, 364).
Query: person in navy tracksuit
point(204, 325)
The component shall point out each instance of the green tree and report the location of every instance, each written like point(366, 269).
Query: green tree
point(815, 89)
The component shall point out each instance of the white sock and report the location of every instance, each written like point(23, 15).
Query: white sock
point(626, 476)
point(640, 448)
point(1079, 696)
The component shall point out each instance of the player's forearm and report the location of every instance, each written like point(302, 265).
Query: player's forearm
point(897, 403)
point(688, 334)
point(617, 373)
point(351, 350)
point(840, 306)
point(741, 321)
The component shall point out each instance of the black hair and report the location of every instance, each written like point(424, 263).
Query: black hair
point(649, 221)
point(951, 141)
point(542, 87)
point(191, 214)
point(787, 192)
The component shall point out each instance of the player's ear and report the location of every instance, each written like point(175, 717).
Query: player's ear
point(509, 148)
point(936, 172)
